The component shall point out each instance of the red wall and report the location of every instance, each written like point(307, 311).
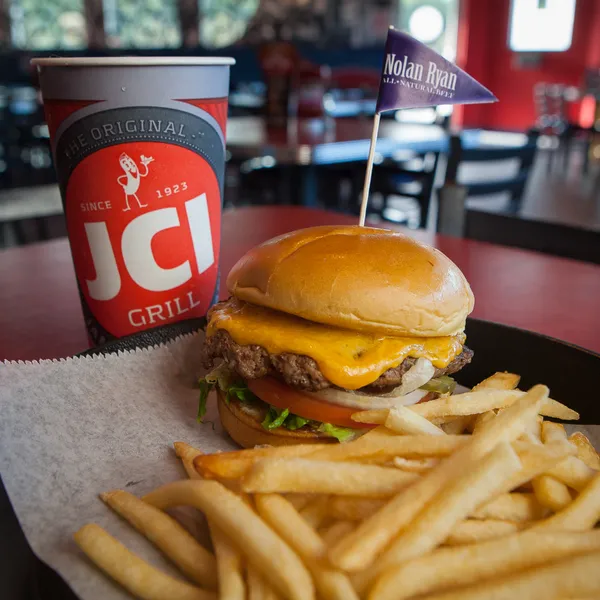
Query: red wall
point(484, 54)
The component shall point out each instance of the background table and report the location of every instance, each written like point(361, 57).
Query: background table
point(331, 141)
point(308, 144)
point(40, 314)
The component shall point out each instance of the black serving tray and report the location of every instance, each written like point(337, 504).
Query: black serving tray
point(566, 369)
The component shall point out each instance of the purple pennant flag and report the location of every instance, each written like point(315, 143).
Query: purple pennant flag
point(414, 75)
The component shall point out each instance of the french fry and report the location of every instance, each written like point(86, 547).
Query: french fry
point(415, 465)
point(377, 433)
point(360, 548)
point(557, 410)
point(499, 381)
point(537, 459)
point(376, 416)
point(472, 531)
point(282, 516)
point(332, 584)
point(187, 454)
point(134, 574)
point(553, 432)
point(485, 400)
point(477, 485)
point(511, 507)
point(551, 492)
point(573, 472)
point(457, 425)
point(585, 451)
point(337, 530)
point(353, 508)
point(299, 501)
point(460, 566)
point(258, 588)
point(233, 465)
point(167, 535)
point(583, 513)
point(244, 528)
point(478, 482)
point(385, 448)
point(285, 520)
point(254, 583)
point(480, 420)
point(407, 422)
point(229, 560)
point(535, 430)
point(570, 576)
point(533, 435)
point(530, 438)
point(465, 404)
point(316, 513)
point(275, 475)
point(229, 566)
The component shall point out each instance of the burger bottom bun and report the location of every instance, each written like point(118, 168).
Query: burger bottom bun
point(246, 430)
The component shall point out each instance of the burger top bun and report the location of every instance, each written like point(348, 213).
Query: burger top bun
point(360, 278)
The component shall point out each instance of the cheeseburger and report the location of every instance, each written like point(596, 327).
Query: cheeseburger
point(328, 321)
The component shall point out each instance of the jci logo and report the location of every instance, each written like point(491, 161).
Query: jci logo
point(136, 250)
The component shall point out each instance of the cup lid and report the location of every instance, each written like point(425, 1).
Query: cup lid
point(133, 61)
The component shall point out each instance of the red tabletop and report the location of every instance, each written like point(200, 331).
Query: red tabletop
point(40, 314)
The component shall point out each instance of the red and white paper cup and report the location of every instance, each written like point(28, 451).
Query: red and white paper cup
point(139, 150)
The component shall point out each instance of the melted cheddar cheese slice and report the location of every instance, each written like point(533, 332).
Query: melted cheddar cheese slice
point(349, 359)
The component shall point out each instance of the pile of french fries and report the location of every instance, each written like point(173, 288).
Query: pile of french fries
point(472, 496)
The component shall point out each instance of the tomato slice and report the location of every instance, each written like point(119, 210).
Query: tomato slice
point(283, 396)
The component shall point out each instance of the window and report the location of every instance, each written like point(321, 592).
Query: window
point(224, 22)
point(426, 23)
point(43, 25)
point(433, 22)
point(541, 25)
point(141, 24)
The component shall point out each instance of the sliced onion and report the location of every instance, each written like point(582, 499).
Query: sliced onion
point(405, 394)
point(419, 374)
point(365, 402)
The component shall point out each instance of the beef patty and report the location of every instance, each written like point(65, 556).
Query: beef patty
point(299, 371)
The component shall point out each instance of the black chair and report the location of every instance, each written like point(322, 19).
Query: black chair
point(453, 213)
point(405, 180)
point(514, 185)
point(258, 182)
point(401, 188)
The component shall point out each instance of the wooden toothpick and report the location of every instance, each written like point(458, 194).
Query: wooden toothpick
point(365, 194)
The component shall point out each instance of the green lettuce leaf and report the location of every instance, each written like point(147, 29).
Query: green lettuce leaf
point(341, 434)
point(223, 378)
point(242, 393)
point(441, 385)
point(205, 389)
point(294, 422)
point(275, 418)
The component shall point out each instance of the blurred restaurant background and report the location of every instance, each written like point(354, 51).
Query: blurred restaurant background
point(523, 172)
